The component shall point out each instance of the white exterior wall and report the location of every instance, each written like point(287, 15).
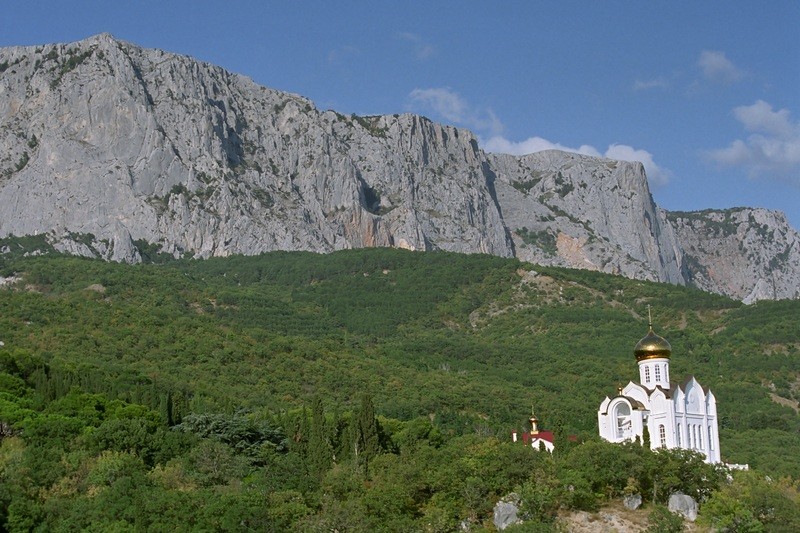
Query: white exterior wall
point(661, 414)
point(536, 444)
point(696, 418)
point(689, 417)
point(610, 416)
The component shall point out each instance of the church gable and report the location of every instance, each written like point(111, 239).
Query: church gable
point(678, 399)
point(638, 393)
point(658, 402)
point(695, 397)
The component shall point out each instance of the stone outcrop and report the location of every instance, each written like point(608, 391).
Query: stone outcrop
point(106, 139)
point(506, 512)
point(684, 505)
point(632, 501)
point(116, 151)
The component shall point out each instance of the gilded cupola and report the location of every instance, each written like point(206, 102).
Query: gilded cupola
point(652, 346)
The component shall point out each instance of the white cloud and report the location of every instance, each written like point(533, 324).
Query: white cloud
point(772, 150)
point(761, 117)
point(498, 144)
point(656, 175)
point(455, 109)
point(422, 49)
point(718, 68)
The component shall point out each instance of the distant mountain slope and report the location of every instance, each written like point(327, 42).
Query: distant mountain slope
point(111, 149)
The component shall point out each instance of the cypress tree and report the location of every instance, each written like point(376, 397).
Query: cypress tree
point(364, 434)
point(165, 408)
point(300, 437)
point(319, 447)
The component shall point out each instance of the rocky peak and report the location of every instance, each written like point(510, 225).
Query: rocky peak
point(586, 212)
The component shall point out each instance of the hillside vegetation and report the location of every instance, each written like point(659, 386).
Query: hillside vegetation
point(361, 389)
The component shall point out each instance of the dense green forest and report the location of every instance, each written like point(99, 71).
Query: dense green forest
point(366, 390)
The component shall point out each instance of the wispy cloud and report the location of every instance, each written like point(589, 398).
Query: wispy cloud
point(656, 175)
point(422, 49)
point(453, 108)
point(501, 145)
point(772, 150)
point(655, 83)
point(342, 53)
point(717, 68)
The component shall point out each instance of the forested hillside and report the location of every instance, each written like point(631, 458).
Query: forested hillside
point(369, 389)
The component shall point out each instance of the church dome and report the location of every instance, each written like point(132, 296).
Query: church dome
point(652, 346)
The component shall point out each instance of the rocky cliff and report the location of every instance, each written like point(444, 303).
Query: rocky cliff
point(749, 254)
point(109, 149)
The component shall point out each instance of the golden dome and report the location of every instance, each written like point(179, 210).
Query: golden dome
point(652, 346)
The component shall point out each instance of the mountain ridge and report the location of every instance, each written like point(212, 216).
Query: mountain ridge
point(108, 146)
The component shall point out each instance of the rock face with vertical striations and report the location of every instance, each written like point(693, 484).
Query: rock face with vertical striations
point(585, 212)
point(748, 254)
point(112, 150)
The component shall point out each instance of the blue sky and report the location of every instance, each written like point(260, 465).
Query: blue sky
point(705, 94)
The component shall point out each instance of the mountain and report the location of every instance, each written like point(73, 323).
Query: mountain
point(115, 151)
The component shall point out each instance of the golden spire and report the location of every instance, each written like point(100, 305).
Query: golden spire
point(534, 423)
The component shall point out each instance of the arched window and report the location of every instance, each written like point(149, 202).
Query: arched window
point(710, 439)
point(700, 436)
point(622, 416)
point(678, 435)
point(658, 373)
point(662, 435)
point(647, 374)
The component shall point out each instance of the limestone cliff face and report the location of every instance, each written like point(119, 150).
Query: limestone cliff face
point(748, 254)
point(104, 138)
point(109, 149)
point(584, 212)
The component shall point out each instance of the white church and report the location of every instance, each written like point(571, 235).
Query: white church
point(676, 415)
